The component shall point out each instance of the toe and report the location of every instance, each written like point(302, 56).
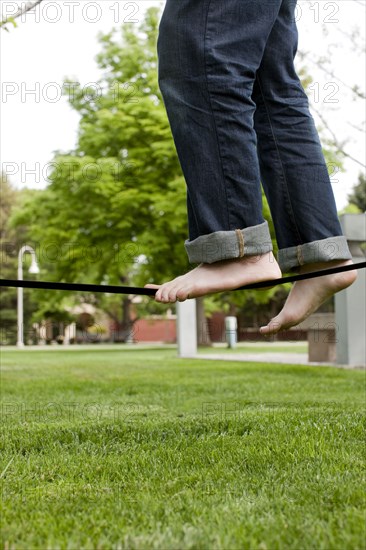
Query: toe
point(159, 294)
point(172, 295)
point(165, 292)
point(172, 299)
point(265, 330)
point(182, 294)
point(273, 327)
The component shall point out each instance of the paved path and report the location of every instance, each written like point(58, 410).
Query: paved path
point(272, 357)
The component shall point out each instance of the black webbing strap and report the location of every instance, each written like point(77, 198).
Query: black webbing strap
point(111, 289)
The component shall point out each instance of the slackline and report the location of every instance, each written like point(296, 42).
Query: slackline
point(110, 289)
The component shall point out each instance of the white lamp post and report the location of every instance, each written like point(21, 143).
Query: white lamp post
point(33, 269)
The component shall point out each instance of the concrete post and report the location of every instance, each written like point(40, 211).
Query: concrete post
point(350, 304)
point(231, 331)
point(187, 328)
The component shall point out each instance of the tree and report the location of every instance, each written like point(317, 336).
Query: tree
point(10, 243)
point(358, 195)
point(114, 200)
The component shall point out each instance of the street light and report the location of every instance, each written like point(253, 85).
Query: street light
point(33, 269)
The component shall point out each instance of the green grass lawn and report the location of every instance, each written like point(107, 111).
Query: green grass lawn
point(137, 449)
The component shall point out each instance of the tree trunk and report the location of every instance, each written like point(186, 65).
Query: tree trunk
point(203, 334)
point(126, 322)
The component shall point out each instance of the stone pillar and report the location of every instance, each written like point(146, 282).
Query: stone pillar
point(350, 304)
point(187, 328)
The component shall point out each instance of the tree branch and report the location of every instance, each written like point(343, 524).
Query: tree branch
point(21, 11)
point(304, 56)
point(358, 128)
point(337, 143)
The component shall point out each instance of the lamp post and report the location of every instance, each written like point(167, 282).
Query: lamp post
point(33, 269)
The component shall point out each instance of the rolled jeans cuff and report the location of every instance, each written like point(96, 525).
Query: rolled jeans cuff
point(325, 250)
point(226, 245)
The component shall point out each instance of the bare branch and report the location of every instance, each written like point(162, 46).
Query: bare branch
point(354, 89)
point(360, 129)
point(359, 2)
point(27, 6)
point(337, 143)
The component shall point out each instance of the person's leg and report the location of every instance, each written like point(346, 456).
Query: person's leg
point(295, 178)
point(209, 52)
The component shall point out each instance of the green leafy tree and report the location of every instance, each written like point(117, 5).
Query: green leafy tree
point(107, 197)
point(10, 243)
point(358, 195)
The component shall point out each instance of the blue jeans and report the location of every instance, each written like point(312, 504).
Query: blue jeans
point(240, 118)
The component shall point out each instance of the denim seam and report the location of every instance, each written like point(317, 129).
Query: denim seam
point(188, 199)
point(213, 113)
point(240, 237)
point(279, 157)
point(300, 257)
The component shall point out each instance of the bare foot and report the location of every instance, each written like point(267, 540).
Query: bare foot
point(217, 277)
point(307, 296)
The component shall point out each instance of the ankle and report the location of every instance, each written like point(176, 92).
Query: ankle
point(267, 257)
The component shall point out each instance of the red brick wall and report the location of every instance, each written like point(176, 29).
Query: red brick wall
point(216, 326)
point(155, 330)
point(164, 330)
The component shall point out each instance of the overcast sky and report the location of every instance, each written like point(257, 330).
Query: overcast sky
point(60, 41)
